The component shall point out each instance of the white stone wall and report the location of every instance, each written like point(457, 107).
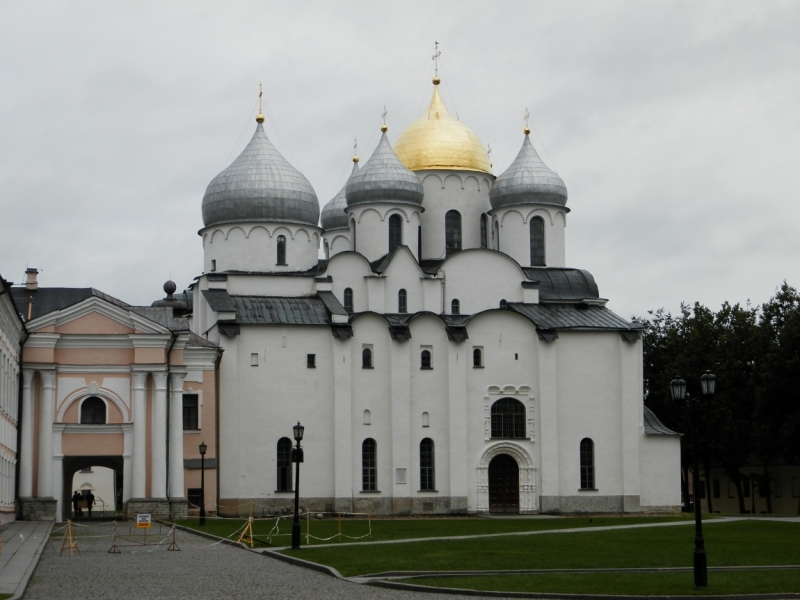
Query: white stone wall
point(372, 227)
point(514, 231)
point(10, 334)
point(253, 247)
point(464, 191)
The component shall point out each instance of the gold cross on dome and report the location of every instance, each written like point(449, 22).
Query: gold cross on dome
point(526, 116)
point(435, 58)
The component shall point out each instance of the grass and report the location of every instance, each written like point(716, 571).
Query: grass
point(734, 543)
point(397, 529)
point(732, 582)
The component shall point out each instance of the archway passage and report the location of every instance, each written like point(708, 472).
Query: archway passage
point(503, 485)
point(73, 464)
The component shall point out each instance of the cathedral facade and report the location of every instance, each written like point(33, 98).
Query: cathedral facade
point(442, 356)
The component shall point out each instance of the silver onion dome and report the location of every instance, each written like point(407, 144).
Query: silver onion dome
point(383, 178)
point(333, 215)
point(528, 181)
point(260, 185)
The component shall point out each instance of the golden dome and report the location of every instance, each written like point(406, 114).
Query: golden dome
point(437, 140)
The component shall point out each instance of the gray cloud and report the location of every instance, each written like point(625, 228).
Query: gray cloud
point(674, 125)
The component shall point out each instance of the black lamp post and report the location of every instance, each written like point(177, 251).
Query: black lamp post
point(203, 449)
point(297, 458)
point(678, 389)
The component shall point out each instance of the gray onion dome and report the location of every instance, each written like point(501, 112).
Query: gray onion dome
point(528, 181)
point(333, 215)
point(260, 185)
point(383, 178)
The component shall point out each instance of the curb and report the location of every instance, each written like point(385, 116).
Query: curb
point(23, 584)
point(409, 587)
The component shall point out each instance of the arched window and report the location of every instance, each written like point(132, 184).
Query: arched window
point(455, 307)
point(327, 250)
point(395, 232)
point(281, 250)
point(93, 411)
point(348, 300)
point(537, 242)
point(496, 236)
point(367, 417)
point(353, 227)
point(427, 479)
point(503, 304)
point(484, 236)
point(508, 419)
point(452, 232)
point(477, 358)
point(587, 464)
point(426, 419)
point(402, 301)
point(366, 358)
point(369, 465)
point(425, 359)
point(284, 465)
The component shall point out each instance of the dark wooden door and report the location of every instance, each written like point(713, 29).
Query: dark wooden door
point(503, 485)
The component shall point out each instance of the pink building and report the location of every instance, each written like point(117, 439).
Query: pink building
point(108, 384)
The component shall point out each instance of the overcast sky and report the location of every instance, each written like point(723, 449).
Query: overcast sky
point(675, 125)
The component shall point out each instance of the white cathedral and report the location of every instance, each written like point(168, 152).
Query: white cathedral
point(442, 357)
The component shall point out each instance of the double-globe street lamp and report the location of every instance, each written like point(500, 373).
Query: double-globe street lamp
point(203, 449)
point(678, 388)
point(297, 458)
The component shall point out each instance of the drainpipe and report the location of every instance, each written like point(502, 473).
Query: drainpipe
point(217, 362)
point(169, 401)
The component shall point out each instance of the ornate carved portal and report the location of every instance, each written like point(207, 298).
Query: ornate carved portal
point(490, 480)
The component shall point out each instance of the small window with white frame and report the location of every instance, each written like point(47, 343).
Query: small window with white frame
point(426, 357)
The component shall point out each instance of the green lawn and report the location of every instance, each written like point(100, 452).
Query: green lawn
point(739, 582)
point(735, 543)
point(395, 529)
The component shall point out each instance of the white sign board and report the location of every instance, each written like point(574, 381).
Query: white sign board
point(143, 521)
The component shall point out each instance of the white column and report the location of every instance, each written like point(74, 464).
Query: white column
point(139, 435)
point(46, 415)
point(342, 425)
point(459, 357)
point(127, 467)
point(176, 437)
point(158, 452)
point(26, 437)
point(400, 405)
point(550, 491)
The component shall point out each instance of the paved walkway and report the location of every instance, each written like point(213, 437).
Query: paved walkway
point(23, 541)
point(202, 569)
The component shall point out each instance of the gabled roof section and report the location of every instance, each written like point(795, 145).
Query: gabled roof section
point(332, 303)
point(379, 266)
point(654, 426)
point(33, 304)
point(63, 307)
point(562, 284)
point(570, 316)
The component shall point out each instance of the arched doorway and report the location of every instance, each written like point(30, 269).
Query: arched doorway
point(73, 464)
point(503, 484)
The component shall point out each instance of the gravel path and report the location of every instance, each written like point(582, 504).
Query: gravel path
point(197, 571)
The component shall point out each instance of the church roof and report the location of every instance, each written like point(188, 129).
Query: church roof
point(570, 316)
point(654, 426)
point(273, 310)
point(561, 283)
point(260, 185)
point(528, 181)
point(333, 215)
point(438, 140)
point(383, 178)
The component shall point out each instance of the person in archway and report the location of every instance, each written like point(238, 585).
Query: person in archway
point(89, 502)
point(76, 497)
